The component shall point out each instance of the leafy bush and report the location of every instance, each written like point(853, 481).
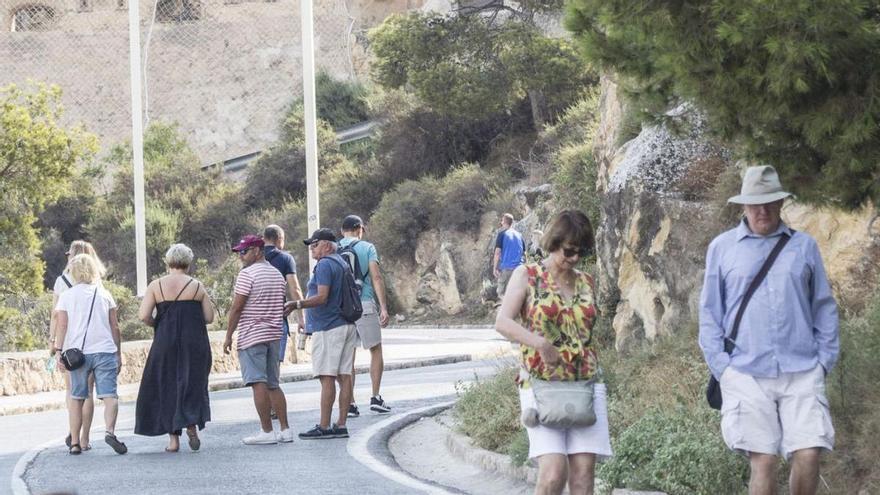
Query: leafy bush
point(219, 283)
point(677, 451)
point(127, 305)
point(24, 322)
point(488, 411)
point(340, 103)
point(568, 147)
point(403, 214)
point(279, 175)
point(39, 158)
point(462, 196)
point(855, 400)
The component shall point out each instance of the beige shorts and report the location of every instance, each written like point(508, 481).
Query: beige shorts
point(594, 439)
point(333, 351)
point(369, 331)
point(775, 416)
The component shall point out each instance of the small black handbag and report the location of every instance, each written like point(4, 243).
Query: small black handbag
point(74, 358)
point(713, 389)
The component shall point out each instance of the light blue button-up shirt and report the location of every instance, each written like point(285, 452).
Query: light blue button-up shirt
point(790, 323)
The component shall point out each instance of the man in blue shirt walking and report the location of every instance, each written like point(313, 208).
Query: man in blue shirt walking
point(773, 381)
point(509, 251)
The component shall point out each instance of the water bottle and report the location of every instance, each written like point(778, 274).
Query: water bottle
point(51, 363)
point(300, 340)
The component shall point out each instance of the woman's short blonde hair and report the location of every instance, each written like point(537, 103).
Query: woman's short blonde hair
point(84, 269)
point(85, 247)
point(179, 256)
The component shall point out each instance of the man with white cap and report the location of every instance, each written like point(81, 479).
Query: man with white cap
point(769, 333)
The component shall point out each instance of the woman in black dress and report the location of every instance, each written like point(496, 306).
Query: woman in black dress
point(174, 389)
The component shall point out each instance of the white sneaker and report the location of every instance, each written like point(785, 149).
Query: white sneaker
point(285, 436)
point(261, 438)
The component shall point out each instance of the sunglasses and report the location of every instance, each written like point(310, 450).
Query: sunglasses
point(569, 252)
point(244, 251)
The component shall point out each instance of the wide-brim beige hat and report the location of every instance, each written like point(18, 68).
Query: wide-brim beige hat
point(760, 186)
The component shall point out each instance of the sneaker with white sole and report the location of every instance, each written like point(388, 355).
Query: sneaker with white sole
point(378, 405)
point(285, 436)
point(261, 438)
point(353, 411)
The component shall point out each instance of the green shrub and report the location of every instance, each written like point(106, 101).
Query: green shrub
point(340, 103)
point(402, 215)
point(488, 411)
point(219, 283)
point(855, 400)
point(24, 322)
point(127, 305)
point(462, 197)
point(678, 451)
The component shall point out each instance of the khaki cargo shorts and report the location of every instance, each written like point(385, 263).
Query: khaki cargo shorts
point(776, 416)
point(333, 351)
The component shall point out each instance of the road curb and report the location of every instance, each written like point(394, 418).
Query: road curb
point(370, 448)
point(234, 383)
point(461, 446)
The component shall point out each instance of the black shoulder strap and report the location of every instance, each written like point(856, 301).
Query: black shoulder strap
point(89, 321)
point(160, 289)
point(762, 273)
point(274, 254)
point(183, 289)
point(66, 282)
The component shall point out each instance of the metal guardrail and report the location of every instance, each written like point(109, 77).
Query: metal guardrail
point(354, 133)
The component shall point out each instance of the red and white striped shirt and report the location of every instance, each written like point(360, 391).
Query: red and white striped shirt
point(261, 318)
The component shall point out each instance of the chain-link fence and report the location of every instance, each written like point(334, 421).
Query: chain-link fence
point(223, 70)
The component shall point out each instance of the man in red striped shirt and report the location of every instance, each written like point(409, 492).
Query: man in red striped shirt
point(257, 310)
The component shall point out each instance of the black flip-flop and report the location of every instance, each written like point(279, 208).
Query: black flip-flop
point(114, 442)
point(74, 449)
point(67, 440)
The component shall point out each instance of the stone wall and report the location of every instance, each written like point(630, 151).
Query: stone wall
point(25, 372)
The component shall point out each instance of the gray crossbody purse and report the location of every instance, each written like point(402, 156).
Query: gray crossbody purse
point(561, 404)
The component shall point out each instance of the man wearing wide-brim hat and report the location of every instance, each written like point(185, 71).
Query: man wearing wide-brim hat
point(772, 369)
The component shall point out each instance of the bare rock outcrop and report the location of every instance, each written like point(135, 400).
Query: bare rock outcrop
point(652, 238)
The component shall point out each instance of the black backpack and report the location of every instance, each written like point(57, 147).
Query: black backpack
point(350, 305)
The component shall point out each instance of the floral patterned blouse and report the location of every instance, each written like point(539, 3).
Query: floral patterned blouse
point(567, 324)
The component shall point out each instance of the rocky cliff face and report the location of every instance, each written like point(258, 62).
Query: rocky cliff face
point(452, 272)
point(652, 237)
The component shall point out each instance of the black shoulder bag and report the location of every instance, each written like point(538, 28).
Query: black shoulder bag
point(74, 358)
point(713, 389)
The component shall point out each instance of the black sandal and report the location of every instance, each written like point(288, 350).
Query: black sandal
point(114, 442)
point(74, 449)
point(194, 442)
point(67, 440)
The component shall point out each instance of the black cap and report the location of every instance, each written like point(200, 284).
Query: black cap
point(352, 222)
point(320, 235)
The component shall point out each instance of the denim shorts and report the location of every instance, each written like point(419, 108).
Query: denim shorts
point(259, 364)
point(105, 367)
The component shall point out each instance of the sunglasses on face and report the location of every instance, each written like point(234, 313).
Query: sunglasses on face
point(244, 251)
point(569, 252)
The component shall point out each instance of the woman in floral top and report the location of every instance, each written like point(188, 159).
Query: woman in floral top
point(555, 303)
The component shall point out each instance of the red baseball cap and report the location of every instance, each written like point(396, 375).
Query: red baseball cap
point(249, 241)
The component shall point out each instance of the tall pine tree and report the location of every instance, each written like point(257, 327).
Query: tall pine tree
point(795, 83)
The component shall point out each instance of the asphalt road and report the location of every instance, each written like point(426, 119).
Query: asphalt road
point(224, 464)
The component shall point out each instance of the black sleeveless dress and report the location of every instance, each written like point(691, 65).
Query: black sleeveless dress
point(174, 389)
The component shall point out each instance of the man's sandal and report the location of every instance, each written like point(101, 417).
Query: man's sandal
point(114, 442)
